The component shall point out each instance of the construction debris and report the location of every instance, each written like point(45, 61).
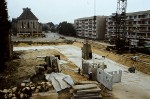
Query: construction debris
point(86, 90)
point(25, 90)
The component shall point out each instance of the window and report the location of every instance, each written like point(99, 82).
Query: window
point(28, 26)
point(135, 17)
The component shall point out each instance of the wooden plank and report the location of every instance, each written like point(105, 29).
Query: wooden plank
point(82, 87)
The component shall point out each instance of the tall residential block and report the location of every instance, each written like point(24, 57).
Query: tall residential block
point(91, 27)
point(137, 25)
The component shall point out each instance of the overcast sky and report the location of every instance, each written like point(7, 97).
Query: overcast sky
point(57, 11)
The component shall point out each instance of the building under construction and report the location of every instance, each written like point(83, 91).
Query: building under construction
point(137, 25)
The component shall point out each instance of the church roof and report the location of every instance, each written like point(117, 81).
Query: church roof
point(27, 14)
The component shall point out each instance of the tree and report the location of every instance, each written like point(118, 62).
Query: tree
point(5, 26)
point(51, 24)
point(65, 28)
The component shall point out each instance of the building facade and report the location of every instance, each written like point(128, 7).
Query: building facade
point(26, 23)
point(137, 25)
point(91, 27)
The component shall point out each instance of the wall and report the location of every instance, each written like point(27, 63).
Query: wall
point(116, 76)
point(105, 78)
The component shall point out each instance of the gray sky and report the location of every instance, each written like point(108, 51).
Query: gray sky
point(57, 11)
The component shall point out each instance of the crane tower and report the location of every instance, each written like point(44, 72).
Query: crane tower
point(120, 19)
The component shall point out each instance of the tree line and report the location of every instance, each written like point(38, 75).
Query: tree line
point(64, 28)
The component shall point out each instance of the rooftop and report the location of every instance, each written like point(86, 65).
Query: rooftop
point(27, 14)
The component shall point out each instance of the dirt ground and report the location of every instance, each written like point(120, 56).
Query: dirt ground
point(23, 67)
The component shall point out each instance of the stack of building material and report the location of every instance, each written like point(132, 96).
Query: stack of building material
point(86, 91)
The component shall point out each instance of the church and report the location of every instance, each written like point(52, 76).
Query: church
point(26, 24)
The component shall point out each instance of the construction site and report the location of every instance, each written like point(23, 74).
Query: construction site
point(74, 68)
point(55, 66)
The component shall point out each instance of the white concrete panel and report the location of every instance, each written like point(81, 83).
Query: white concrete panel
point(105, 78)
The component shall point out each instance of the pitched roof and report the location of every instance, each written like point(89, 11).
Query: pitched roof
point(27, 14)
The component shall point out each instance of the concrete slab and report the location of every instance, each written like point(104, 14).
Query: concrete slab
point(84, 95)
point(81, 87)
point(61, 82)
point(89, 97)
point(69, 80)
point(88, 82)
point(58, 81)
point(55, 83)
point(88, 91)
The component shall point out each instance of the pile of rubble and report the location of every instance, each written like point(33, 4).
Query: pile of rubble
point(25, 90)
point(86, 90)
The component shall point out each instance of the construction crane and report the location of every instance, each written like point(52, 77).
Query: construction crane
point(120, 21)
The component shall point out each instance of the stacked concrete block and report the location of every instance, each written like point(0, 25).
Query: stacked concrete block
point(86, 90)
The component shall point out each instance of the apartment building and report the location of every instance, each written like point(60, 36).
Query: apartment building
point(137, 25)
point(91, 27)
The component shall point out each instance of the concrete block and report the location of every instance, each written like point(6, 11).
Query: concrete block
point(116, 76)
point(85, 67)
point(105, 78)
point(94, 73)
